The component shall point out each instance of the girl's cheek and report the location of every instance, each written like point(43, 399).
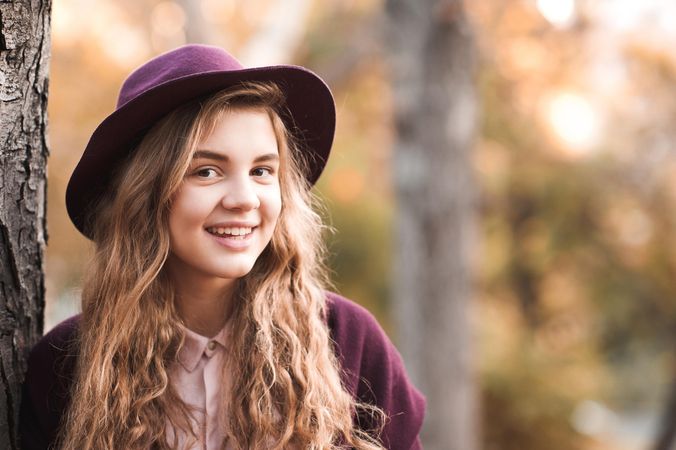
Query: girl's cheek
point(275, 203)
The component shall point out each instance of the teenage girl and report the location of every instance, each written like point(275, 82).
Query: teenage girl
point(205, 323)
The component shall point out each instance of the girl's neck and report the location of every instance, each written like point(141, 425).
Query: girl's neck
point(205, 307)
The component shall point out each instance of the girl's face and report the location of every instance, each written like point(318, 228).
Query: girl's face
point(226, 209)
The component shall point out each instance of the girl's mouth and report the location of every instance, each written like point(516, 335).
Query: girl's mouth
point(236, 233)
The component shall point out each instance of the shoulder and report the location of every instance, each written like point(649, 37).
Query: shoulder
point(360, 342)
point(53, 353)
point(58, 339)
point(348, 320)
point(47, 384)
point(373, 370)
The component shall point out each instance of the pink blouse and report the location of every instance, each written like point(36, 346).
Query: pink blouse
point(197, 378)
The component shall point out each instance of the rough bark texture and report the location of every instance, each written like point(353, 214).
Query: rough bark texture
point(432, 68)
point(24, 64)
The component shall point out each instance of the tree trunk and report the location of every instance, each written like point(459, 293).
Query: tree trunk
point(666, 439)
point(24, 65)
point(279, 34)
point(432, 67)
point(197, 29)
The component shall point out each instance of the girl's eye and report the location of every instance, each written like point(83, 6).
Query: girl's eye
point(261, 172)
point(206, 173)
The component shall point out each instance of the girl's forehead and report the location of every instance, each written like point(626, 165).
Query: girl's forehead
point(238, 133)
point(230, 118)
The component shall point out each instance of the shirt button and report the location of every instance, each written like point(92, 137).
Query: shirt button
point(211, 345)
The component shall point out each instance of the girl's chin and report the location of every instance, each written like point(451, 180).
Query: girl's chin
point(194, 270)
point(232, 272)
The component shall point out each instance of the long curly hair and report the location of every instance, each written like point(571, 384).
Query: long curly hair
point(285, 388)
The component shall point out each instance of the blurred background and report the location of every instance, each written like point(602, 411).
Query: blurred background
point(574, 303)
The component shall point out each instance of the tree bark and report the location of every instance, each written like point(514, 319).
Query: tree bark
point(432, 69)
point(24, 65)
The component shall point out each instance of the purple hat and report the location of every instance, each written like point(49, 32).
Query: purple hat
point(177, 77)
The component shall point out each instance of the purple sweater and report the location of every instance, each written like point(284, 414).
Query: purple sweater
point(372, 371)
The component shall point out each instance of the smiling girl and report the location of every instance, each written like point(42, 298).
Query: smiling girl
point(205, 321)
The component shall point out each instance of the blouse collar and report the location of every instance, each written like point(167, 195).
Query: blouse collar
point(195, 345)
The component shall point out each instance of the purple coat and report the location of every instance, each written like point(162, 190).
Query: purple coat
point(372, 371)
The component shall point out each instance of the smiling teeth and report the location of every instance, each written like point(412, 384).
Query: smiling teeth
point(235, 231)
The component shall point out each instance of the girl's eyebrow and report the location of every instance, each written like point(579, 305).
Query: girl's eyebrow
point(267, 157)
point(208, 154)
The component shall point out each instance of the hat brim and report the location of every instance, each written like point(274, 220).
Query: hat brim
point(308, 100)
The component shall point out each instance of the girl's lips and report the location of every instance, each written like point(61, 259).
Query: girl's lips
point(240, 242)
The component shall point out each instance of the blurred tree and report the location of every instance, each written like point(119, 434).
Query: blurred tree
point(197, 28)
point(281, 29)
point(432, 57)
point(24, 65)
point(667, 434)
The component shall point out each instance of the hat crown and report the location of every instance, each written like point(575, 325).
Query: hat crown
point(182, 62)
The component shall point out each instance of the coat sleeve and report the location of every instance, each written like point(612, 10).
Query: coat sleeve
point(45, 392)
point(374, 372)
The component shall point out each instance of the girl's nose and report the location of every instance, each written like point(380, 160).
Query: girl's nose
point(240, 195)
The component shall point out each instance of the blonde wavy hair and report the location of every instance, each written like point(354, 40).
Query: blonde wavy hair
point(287, 392)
